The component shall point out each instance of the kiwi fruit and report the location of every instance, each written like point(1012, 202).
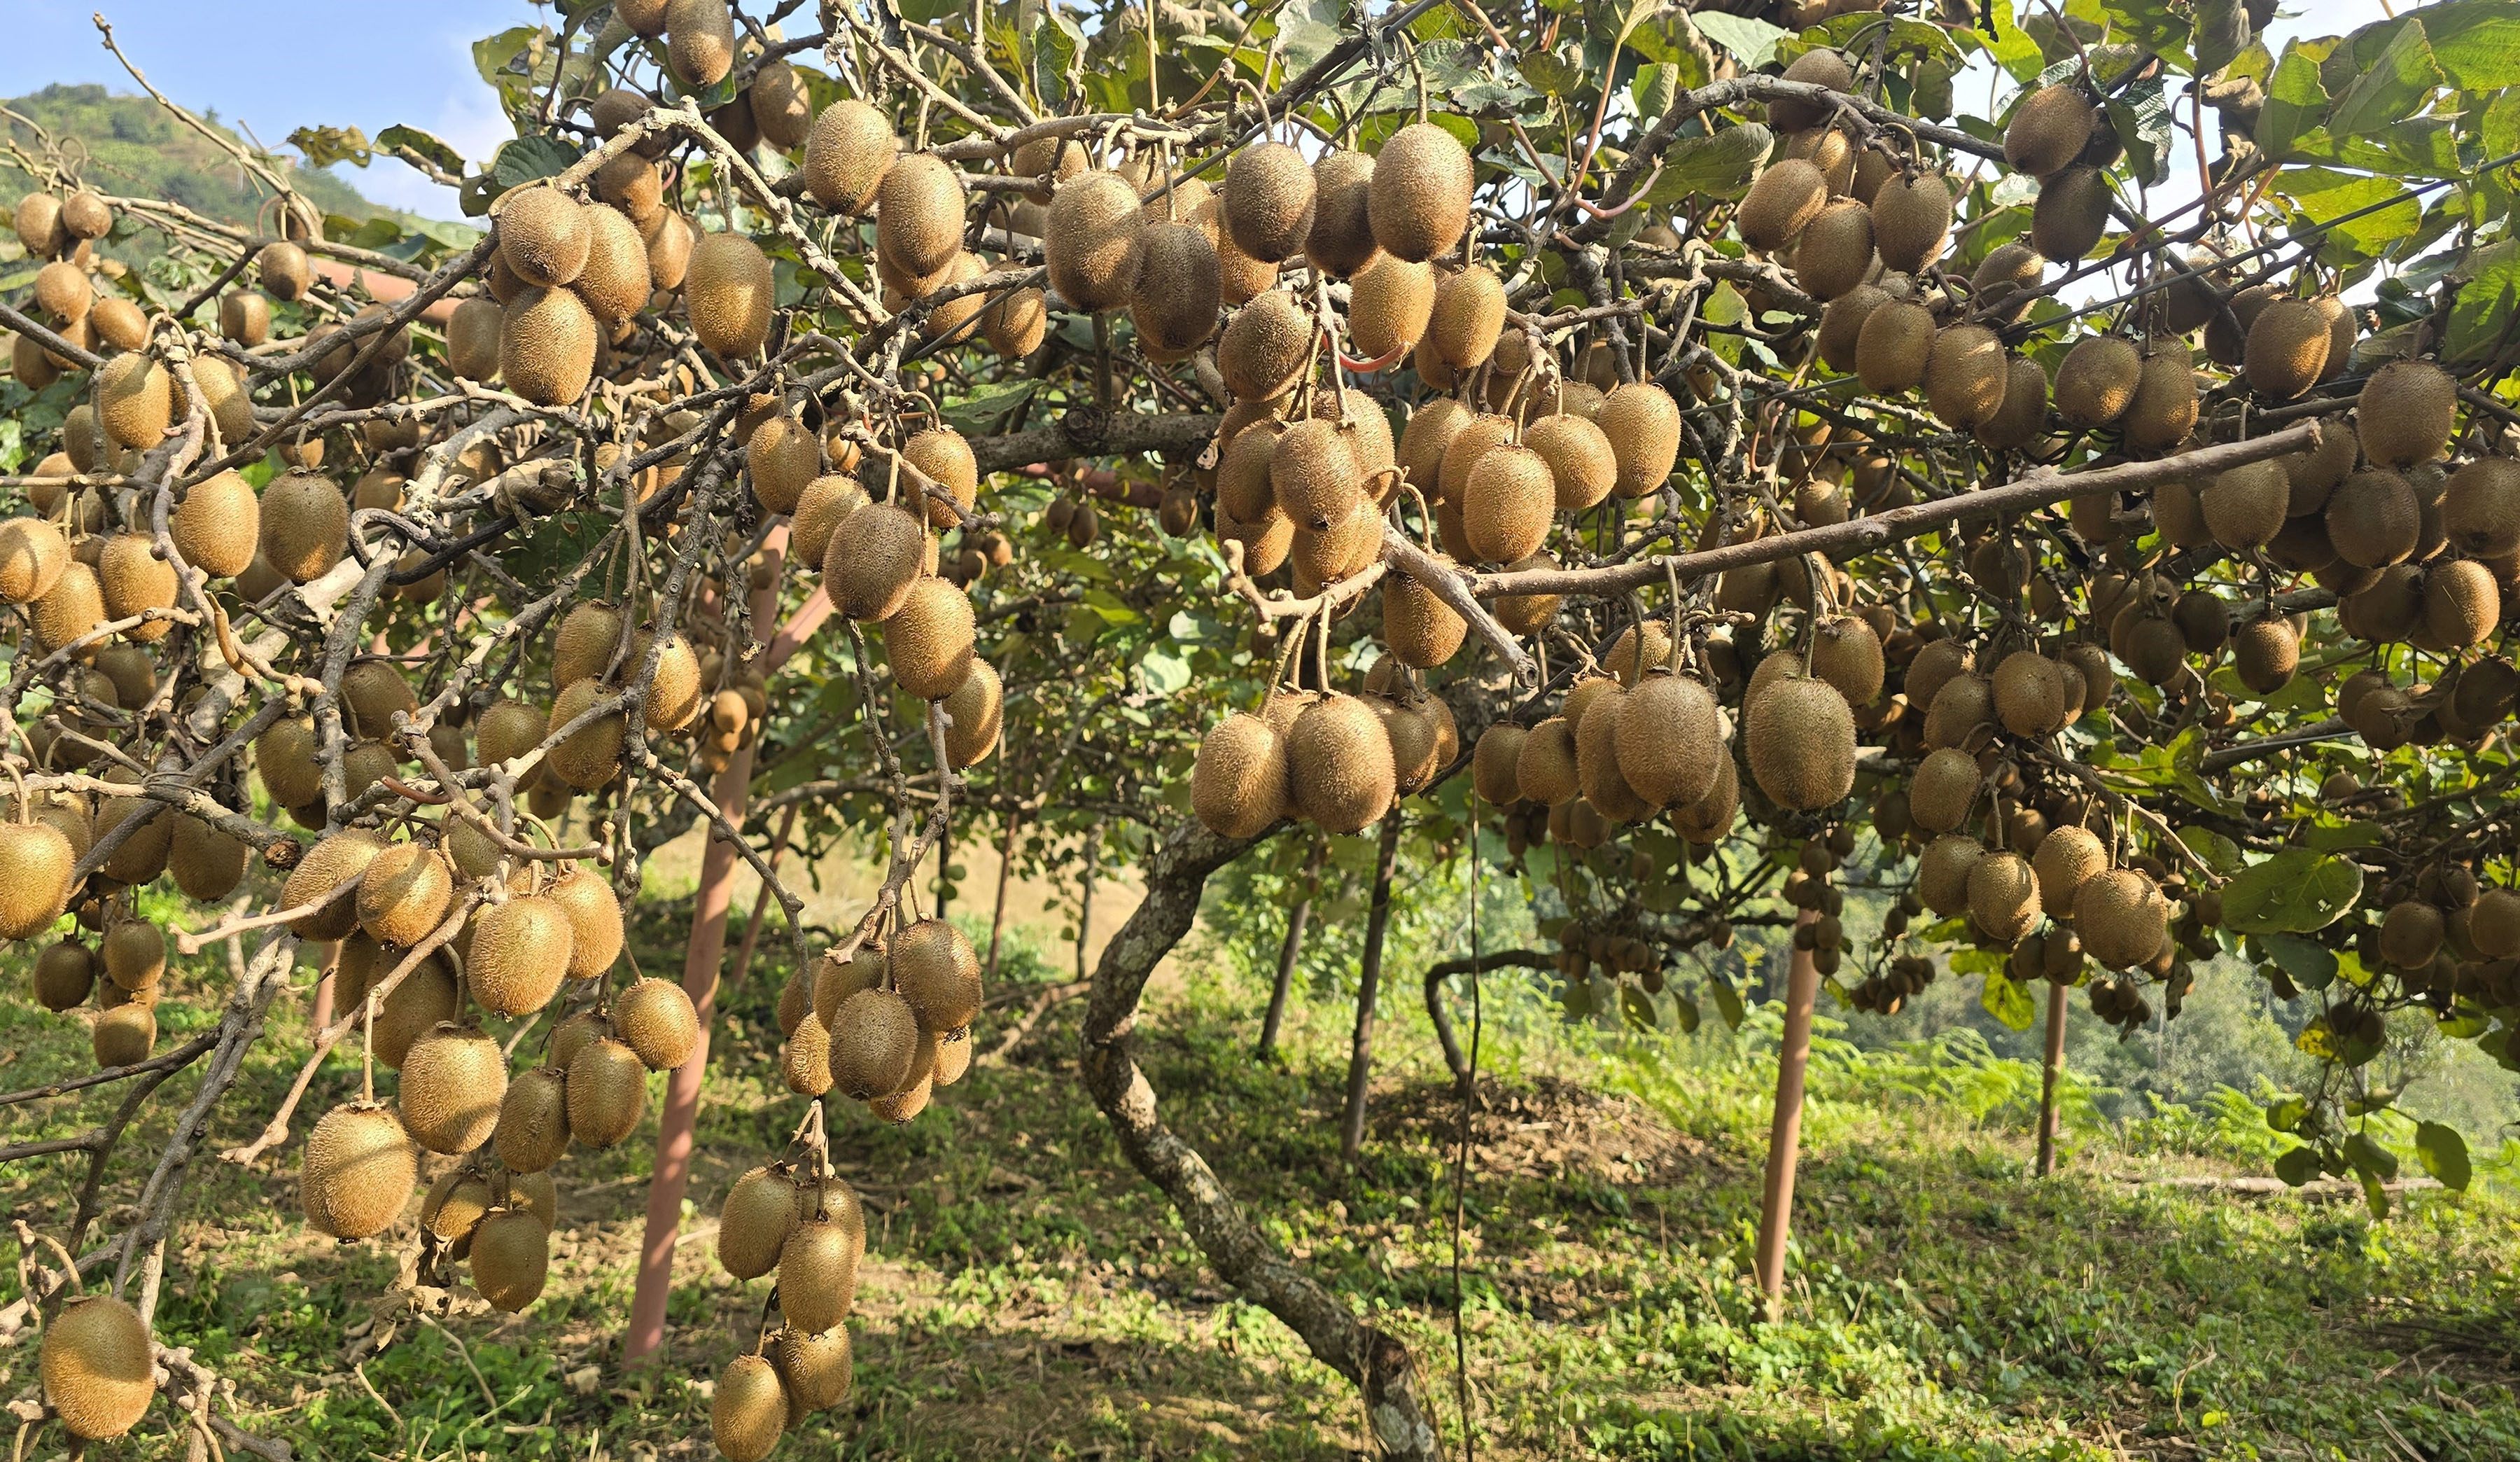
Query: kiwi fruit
point(1604, 784)
point(2121, 916)
point(1964, 703)
point(33, 553)
point(97, 1367)
point(700, 41)
point(2480, 508)
point(588, 635)
point(1265, 346)
point(2030, 696)
point(1846, 651)
point(2406, 413)
point(1092, 242)
point(608, 1092)
point(1055, 158)
point(594, 921)
point(532, 1129)
point(119, 323)
point(359, 1170)
point(1314, 477)
point(452, 1080)
point(511, 1257)
point(63, 291)
point(1178, 293)
point(2071, 214)
point(852, 147)
point(1421, 631)
point(935, 969)
point(38, 222)
point(521, 951)
point(1583, 464)
point(1642, 424)
point(2048, 131)
point(320, 876)
point(404, 893)
point(473, 334)
point(1835, 251)
point(671, 243)
point(1419, 199)
point(2375, 519)
point(591, 755)
point(975, 717)
point(1269, 197)
point(2265, 654)
point(1787, 196)
point(928, 640)
point(1800, 734)
point(374, 693)
point(2287, 350)
point(135, 400)
point(1943, 872)
point(1238, 783)
point(2022, 419)
point(1841, 325)
point(1912, 221)
point(2064, 858)
point(816, 1369)
point(2163, 410)
point(543, 236)
point(1390, 303)
point(1942, 789)
point(64, 976)
point(873, 559)
point(1895, 347)
point(656, 1021)
point(135, 954)
point(133, 580)
point(1341, 238)
point(1825, 68)
point(2096, 381)
point(729, 290)
point(782, 456)
point(1339, 764)
point(1469, 314)
point(2003, 897)
point(304, 525)
point(2244, 506)
point(613, 285)
point(2204, 621)
point(1668, 734)
point(749, 1410)
point(69, 611)
point(754, 1222)
point(2462, 603)
point(875, 1042)
point(1507, 504)
point(818, 1273)
point(1965, 375)
point(1491, 768)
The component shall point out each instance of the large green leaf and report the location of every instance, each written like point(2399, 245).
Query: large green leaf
point(2477, 43)
point(2393, 89)
point(2008, 1000)
point(1718, 166)
point(427, 145)
point(2321, 196)
point(2307, 961)
point(527, 158)
point(2444, 1154)
point(1751, 43)
point(2298, 890)
point(2296, 101)
point(2479, 316)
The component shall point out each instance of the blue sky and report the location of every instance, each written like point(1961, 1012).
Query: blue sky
point(303, 62)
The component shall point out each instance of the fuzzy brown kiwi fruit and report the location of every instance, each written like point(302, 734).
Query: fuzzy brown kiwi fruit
point(1418, 201)
point(2265, 654)
point(631, 184)
point(825, 503)
point(754, 1222)
point(613, 285)
point(96, 1367)
point(2121, 916)
point(1427, 439)
point(594, 921)
point(472, 335)
point(215, 528)
point(818, 1273)
point(1597, 772)
point(656, 1021)
point(1390, 303)
point(511, 1258)
point(305, 525)
point(935, 969)
point(1269, 194)
point(32, 555)
point(876, 1044)
point(1544, 766)
point(1835, 251)
point(38, 220)
point(1965, 374)
point(1941, 791)
point(608, 1092)
point(928, 640)
point(1092, 241)
point(671, 243)
point(360, 1169)
point(1841, 325)
point(134, 400)
point(325, 868)
point(1239, 780)
point(1178, 291)
point(588, 635)
point(1583, 463)
point(1788, 194)
point(1265, 346)
point(64, 976)
point(133, 580)
point(1492, 766)
point(1642, 424)
point(749, 1409)
point(1339, 764)
point(1943, 872)
point(1668, 736)
point(134, 955)
point(2030, 695)
point(2287, 350)
point(532, 1130)
point(728, 288)
point(846, 154)
point(1507, 504)
point(1421, 628)
point(2004, 896)
point(591, 755)
point(2164, 408)
point(2375, 519)
point(375, 693)
point(2462, 603)
point(452, 1080)
point(1895, 347)
point(1055, 158)
point(1800, 734)
point(1846, 651)
point(782, 110)
point(2022, 419)
point(945, 457)
point(2048, 130)
point(2481, 508)
point(1314, 477)
point(543, 236)
point(119, 323)
point(2065, 857)
point(2244, 506)
point(875, 558)
point(817, 1370)
point(1469, 314)
point(404, 893)
point(2096, 381)
point(1341, 238)
point(521, 951)
point(2071, 214)
point(2406, 413)
point(1912, 221)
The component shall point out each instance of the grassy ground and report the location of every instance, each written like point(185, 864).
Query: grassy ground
point(1027, 1295)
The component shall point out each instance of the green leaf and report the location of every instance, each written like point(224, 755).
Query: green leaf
point(2480, 315)
point(2012, 48)
point(2310, 964)
point(2477, 42)
point(2285, 1115)
point(1728, 1001)
point(2222, 31)
point(987, 402)
point(527, 158)
point(324, 146)
point(2444, 1154)
point(2220, 853)
point(2159, 27)
point(2298, 890)
point(1685, 1010)
point(2320, 196)
point(2393, 89)
point(2369, 1158)
point(2008, 1000)
point(2296, 102)
point(2297, 1165)
point(428, 145)
point(1638, 1008)
point(1751, 43)
point(1167, 674)
point(1720, 165)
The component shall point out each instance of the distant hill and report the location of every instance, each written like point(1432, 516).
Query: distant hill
point(137, 149)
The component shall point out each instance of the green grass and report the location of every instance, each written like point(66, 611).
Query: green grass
point(1027, 1295)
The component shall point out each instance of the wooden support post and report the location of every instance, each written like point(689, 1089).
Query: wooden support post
point(670, 1179)
point(2055, 1069)
point(997, 918)
point(1289, 952)
point(1360, 1058)
point(1785, 1130)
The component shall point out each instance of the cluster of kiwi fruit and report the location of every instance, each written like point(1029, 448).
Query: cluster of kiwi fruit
point(886, 1022)
point(801, 1224)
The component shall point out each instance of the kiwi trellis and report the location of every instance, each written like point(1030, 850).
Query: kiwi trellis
point(1663, 552)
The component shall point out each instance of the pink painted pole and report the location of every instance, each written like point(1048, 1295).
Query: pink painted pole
point(672, 1176)
point(1785, 1128)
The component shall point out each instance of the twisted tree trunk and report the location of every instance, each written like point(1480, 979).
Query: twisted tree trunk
point(1396, 1405)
